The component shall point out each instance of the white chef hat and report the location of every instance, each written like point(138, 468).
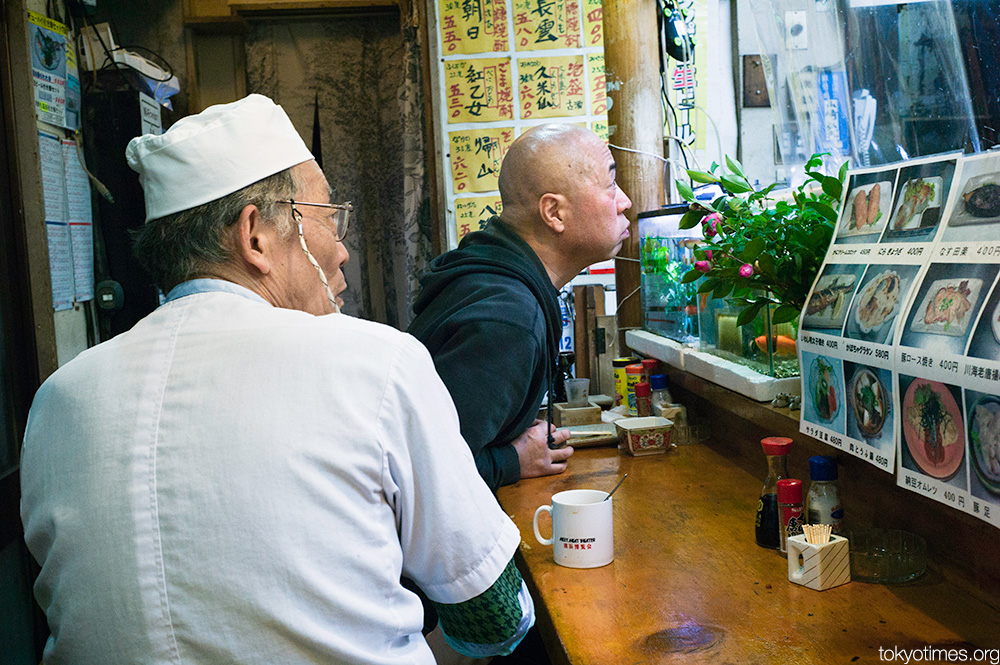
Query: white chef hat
point(219, 151)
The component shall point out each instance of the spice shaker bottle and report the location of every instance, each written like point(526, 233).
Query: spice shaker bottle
point(621, 381)
point(661, 395)
point(823, 500)
point(643, 399)
point(766, 525)
point(633, 374)
point(789, 509)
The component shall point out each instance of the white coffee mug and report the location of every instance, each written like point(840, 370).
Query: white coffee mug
point(583, 534)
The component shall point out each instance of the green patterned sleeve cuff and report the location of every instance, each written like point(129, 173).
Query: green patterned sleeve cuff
point(492, 623)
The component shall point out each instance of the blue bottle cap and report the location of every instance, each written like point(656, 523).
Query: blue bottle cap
point(822, 467)
point(658, 381)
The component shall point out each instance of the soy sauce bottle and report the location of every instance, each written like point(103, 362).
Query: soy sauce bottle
point(766, 525)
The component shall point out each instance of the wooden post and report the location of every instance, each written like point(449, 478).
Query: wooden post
point(635, 121)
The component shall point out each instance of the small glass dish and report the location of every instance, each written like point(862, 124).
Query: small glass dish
point(886, 556)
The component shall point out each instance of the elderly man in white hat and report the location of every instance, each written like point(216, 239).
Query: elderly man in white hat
point(244, 476)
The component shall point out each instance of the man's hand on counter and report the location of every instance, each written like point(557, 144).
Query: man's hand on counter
point(535, 456)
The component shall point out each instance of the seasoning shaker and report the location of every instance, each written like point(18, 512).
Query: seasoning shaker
point(789, 509)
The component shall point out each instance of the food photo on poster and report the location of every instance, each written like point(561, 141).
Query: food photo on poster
point(921, 194)
point(828, 306)
point(985, 342)
point(867, 207)
point(947, 303)
point(823, 391)
point(976, 214)
point(869, 401)
point(883, 291)
point(983, 416)
point(933, 430)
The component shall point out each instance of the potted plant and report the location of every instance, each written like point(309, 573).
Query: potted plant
point(762, 251)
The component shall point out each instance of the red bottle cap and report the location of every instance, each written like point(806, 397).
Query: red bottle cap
point(789, 490)
point(633, 369)
point(776, 445)
point(650, 364)
point(643, 389)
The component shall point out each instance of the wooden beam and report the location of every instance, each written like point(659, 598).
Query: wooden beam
point(635, 122)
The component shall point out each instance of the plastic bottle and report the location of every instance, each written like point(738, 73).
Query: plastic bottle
point(766, 525)
point(648, 368)
point(621, 381)
point(661, 395)
point(643, 399)
point(823, 500)
point(789, 510)
point(633, 374)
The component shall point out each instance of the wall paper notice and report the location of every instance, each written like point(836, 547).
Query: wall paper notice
point(473, 26)
point(546, 24)
point(593, 23)
point(471, 214)
point(502, 67)
point(597, 81)
point(475, 157)
point(900, 338)
point(552, 87)
point(79, 217)
point(56, 224)
point(479, 90)
point(48, 68)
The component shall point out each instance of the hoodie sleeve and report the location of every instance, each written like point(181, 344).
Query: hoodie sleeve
point(490, 368)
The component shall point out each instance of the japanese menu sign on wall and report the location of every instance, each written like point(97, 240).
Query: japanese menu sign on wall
point(503, 67)
point(900, 338)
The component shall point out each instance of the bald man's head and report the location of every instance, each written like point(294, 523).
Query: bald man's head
point(552, 158)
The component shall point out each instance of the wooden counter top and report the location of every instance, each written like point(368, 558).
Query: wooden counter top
point(688, 581)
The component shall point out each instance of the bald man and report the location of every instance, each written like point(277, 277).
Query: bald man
point(489, 312)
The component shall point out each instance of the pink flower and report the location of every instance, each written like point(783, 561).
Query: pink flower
point(746, 270)
point(709, 222)
point(702, 266)
point(708, 254)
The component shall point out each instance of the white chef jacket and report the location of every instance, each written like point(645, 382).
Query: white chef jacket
point(233, 482)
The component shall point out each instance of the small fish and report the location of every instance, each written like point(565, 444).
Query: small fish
point(782, 345)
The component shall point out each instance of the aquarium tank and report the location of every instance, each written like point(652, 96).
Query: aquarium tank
point(669, 307)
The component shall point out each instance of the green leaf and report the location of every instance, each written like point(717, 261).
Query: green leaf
point(708, 285)
point(690, 219)
point(766, 263)
point(784, 314)
point(832, 187)
point(843, 171)
point(722, 290)
point(735, 166)
point(736, 186)
point(685, 190)
point(749, 314)
point(701, 176)
point(823, 209)
point(691, 275)
point(753, 249)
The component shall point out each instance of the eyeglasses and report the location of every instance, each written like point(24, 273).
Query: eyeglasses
point(342, 214)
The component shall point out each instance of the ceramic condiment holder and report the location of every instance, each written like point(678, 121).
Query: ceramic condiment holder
point(819, 566)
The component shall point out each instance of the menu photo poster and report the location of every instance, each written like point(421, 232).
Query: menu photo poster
point(850, 322)
point(949, 354)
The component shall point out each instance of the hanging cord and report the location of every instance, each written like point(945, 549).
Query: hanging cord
point(297, 216)
point(98, 185)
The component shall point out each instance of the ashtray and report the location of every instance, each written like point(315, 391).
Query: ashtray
point(886, 556)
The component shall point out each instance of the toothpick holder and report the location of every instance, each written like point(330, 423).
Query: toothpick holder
point(819, 566)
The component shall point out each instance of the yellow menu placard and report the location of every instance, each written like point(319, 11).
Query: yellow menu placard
point(546, 24)
point(479, 90)
point(600, 127)
point(471, 214)
point(593, 23)
point(551, 87)
point(598, 84)
point(473, 26)
point(475, 158)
